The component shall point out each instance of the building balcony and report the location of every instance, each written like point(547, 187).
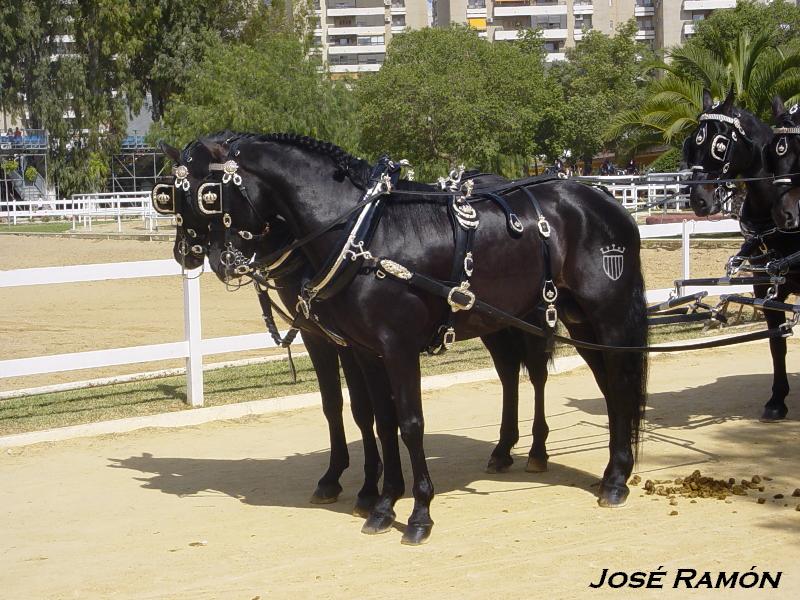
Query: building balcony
point(363, 68)
point(358, 30)
point(688, 29)
point(516, 11)
point(357, 49)
point(555, 56)
point(583, 9)
point(643, 11)
point(708, 4)
point(355, 12)
point(645, 34)
point(476, 13)
point(548, 34)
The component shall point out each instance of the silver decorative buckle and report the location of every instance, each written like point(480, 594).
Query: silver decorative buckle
point(551, 316)
point(463, 289)
point(449, 338)
point(229, 169)
point(544, 227)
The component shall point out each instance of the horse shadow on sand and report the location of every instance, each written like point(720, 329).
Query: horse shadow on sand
point(735, 400)
point(456, 463)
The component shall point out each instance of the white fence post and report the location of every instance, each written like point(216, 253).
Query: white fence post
point(685, 245)
point(191, 325)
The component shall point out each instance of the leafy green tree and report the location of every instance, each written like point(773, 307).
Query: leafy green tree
point(267, 85)
point(70, 59)
point(602, 76)
point(753, 67)
point(446, 96)
point(779, 19)
point(175, 36)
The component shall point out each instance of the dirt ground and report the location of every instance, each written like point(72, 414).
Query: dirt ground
point(66, 318)
point(221, 510)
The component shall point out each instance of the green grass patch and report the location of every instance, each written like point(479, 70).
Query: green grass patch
point(168, 394)
point(239, 384)
point(49, 227)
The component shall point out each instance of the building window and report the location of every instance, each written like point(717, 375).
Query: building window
point(398, 20)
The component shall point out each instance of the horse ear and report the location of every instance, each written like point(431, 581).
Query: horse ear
point(777, 107)
point(726, 106)
point(218, 151)
point(707, 99)
point(172, 153)
point(684, 163)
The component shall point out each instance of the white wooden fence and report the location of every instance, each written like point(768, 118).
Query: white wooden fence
point(194, 347)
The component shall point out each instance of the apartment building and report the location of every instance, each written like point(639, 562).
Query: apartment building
point(662, 23)
point(352, 35)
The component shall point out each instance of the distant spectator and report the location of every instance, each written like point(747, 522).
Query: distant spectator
point(632, 169)
point(17, 133)
point(607, 168)
point(587, 168)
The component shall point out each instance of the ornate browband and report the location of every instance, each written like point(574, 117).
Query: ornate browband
point(786, 130)
point(725, 119)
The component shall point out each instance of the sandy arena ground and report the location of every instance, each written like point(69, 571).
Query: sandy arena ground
point(220, 511)
point(66, 318)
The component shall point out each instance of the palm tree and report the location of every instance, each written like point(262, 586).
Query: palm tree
point(755, 69)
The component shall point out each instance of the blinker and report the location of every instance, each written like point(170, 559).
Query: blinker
point(163, 199)
point(209, 198)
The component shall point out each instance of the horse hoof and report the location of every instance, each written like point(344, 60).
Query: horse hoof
point(613, 497)
point(364, 506)
point(499, 464)
point(536, 465)
point(326, 494)
point(378, 523)
point(416, 535)
point(773, 413)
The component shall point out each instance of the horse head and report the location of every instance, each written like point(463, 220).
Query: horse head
point(782, 156)
point(242, 229)
point(725, 144)
point(189, 171)
point(265, 173)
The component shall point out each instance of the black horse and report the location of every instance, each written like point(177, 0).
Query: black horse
point(730, 142)
point(508, 348)
point(310, 186)
point(783, 159)
point(191, 245)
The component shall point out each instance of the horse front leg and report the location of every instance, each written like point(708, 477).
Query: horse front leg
point(361, 407)
point(775, 409)
point(325, 360)
point(402, 367)
point(381, 516)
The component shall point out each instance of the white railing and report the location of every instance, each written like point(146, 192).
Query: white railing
point(193, 347)
point(636, 192)
point(84, 209)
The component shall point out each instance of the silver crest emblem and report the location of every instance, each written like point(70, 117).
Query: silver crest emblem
point(613, 261)
point(701, 136)
point(781, 147)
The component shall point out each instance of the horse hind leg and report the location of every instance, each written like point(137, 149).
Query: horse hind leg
point(505, 348)
point(536, 360)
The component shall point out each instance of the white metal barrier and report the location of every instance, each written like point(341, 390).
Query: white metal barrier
point(194, 347)
point(83, 209)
